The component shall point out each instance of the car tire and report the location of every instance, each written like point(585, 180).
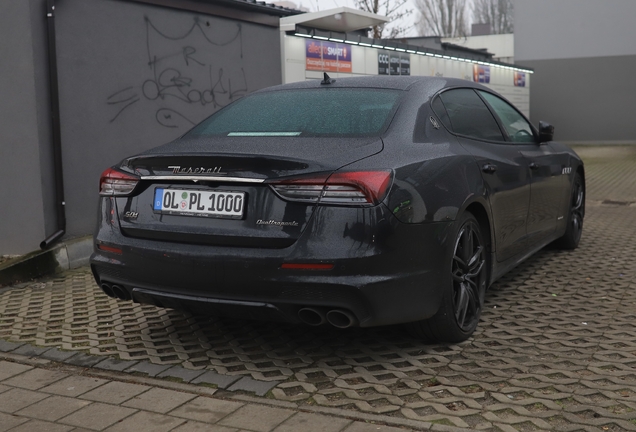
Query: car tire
point(465, 286)
point(574, 230)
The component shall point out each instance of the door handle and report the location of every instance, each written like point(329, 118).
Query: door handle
point(489, 168)
point(533, 166)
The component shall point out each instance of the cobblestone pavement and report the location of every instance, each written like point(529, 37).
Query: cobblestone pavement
point(555, 349)
point(37, 395)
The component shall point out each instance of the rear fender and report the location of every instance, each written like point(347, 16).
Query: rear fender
point(435, 190)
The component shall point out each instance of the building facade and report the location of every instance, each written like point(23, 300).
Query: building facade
point(584, 56)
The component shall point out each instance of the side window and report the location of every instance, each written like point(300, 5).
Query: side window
point(519, 130)
point(470, 116)
point(440, 112)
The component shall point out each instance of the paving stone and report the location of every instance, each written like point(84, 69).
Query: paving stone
point(83, 360)
point(74, 386)
point(148, 368)
point(205, 409)
point(30, 350)
point(192, 426)
point(146, 422)
point(9, 369)
point(308, 422)
point(370, 427)
point(114, 364)
point(251, 385)
point(257, 418)
point(57, 355)
point(159, 400)
point(6, 346)
point(53, 408)
point(16, 399)
point(41, 426)
point(97, 416)
point(211, 377)
point(8, 421)
point(178, 372)
point(35, 378)
point(115, 392)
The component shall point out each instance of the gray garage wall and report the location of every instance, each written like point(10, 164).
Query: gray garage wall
point(584, 56)
point(134, 76)
point(131, 76)
point(25, 155)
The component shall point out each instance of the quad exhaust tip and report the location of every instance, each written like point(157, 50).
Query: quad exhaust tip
point(115, 291)
point(108, 290)
point(341, 318)
point(337, 317)
point(311, 316)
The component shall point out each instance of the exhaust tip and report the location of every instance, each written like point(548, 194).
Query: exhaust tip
point(311, 316)
point(120, 292)
point(341, 318)
point(108, 290)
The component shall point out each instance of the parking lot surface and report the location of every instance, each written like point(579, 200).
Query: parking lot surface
point(555, 348)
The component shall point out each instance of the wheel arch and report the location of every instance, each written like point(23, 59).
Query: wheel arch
point(581, 171)
point(479, 210)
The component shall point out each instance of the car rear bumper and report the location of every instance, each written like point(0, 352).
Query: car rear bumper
point(393, 276)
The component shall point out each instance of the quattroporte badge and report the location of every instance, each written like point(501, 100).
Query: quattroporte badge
point(277, 223)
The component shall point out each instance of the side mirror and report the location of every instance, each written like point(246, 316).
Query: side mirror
point(546, 132)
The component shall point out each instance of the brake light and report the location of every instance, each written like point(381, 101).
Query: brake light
point(341, 188)
point(116, 183)
point(110, 249)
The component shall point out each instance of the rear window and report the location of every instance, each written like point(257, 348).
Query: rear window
point(305, 113)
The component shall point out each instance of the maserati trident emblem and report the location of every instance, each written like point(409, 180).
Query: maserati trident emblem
point(177, 169)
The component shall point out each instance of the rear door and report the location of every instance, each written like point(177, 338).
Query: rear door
point(504, 169)
point(545, 170)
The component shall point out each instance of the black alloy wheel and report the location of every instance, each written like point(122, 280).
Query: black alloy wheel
point(462, 303)
point(467, 271)
point(574, 230)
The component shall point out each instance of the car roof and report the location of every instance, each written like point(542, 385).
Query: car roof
point(404, 83)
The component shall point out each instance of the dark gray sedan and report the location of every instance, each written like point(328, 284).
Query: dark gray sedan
point(353, 202)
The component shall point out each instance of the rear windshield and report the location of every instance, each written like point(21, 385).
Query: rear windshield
point(310, 112)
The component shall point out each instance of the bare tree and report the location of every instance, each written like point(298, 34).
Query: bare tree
point(392, 9)
point(445, 18)
point(498, 13)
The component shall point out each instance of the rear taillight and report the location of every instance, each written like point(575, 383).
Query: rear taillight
point(114, 183)
point(341, 188)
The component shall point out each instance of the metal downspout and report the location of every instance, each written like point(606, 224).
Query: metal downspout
point(57, 136)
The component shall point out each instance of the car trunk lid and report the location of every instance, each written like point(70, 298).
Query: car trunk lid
point(237, 170)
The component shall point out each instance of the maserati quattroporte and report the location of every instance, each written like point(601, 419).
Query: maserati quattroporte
point(350, 202)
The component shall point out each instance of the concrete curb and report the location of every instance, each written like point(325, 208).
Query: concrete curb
point(64, 256)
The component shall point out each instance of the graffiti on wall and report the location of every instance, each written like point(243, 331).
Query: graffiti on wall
point(196, 66)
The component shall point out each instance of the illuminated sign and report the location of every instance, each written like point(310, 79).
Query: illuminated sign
point(327, 56)
point(481, 74)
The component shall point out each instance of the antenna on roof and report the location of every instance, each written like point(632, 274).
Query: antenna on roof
point(327, 80)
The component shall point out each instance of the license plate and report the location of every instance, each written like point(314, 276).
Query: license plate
point(221, 204)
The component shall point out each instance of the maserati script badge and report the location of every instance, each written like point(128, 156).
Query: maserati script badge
point(176, 169)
